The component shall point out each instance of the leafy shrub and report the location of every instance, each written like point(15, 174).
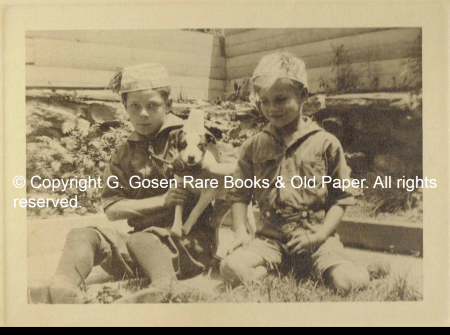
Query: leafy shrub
point(77, 150)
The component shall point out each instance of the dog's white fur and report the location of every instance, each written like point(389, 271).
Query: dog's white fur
point(210, 169)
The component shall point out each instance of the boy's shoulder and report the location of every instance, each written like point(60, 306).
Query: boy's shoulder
point(326, 138)
point(122, 150)
point(263, 147)
point(263, 140)
point(316, 135)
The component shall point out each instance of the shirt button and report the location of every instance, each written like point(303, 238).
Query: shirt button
point(304, 214)
point(268, 214)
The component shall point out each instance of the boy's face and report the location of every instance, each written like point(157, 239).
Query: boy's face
point(281, 104)
point(147, 110)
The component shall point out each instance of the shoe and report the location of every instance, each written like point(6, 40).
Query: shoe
point(63, 292)
point(379, 269)
point(162, 291)
point(39, 295)
point(150, 295)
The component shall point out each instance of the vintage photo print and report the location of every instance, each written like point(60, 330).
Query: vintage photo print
point(195, 164)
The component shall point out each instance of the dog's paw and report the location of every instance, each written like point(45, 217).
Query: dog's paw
point(185, 230)
point(177, 232)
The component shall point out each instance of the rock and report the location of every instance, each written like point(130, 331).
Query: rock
point(74, 95)
point(393, 165)
point(202, 103)
point(314, 104)
point(103, 113)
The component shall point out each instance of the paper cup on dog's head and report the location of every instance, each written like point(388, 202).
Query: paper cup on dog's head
point(196, 122)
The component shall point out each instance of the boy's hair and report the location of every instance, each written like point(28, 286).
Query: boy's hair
point(116, 82)
point(264, 83)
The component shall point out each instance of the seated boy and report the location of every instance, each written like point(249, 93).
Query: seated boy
point(145, 92)
point(299, 223)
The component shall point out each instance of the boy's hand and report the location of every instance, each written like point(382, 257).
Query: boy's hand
point(302, 241)
point(241, 239)
point(174, 197)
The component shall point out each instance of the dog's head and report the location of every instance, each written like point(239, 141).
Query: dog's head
point(191, 146)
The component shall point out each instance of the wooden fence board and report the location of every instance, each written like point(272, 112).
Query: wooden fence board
point(257, 34)
point(369, 55)
point(99, 57)
point(170, 40)
point(291, 38)
point(37, 76)
point(361, 41)
point(102, 57)
point(385, 72)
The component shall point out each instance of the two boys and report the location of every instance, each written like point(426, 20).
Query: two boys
point(299, 224)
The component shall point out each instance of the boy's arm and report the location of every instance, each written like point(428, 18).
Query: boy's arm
point(242, 238)
point(337, 202)
point(240, 198)
point(156, 207)
point(117, 193)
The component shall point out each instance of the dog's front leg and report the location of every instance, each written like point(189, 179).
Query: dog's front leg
point(206, 197)
point(178, 222)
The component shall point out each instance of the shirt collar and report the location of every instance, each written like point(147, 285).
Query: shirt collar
point(307, 127)
point(171, 121)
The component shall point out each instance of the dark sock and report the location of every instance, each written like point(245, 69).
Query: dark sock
point(152, 256)
point(77, 260)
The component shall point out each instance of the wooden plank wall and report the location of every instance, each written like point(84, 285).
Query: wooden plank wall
point(88, 59)
point(375, 54)
point(203, 66)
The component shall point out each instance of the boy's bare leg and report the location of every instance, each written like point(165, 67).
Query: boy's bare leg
point(348, 277)
point(243, 266)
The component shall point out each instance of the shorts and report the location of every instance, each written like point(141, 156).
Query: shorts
point(275, 255)
point(113, 253)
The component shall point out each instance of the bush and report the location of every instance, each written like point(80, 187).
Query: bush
point(77, 150)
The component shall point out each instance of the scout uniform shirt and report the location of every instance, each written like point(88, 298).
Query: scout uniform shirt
point(132, 158)
point(313, 152)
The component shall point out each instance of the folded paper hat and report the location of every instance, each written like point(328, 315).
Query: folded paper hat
point(196, 122)
point(143, 77)
point(282, 65)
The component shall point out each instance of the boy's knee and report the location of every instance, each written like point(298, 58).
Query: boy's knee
point(235, 273)
point(81, 236)
point(141, 240)
point(231, 271)
point(349, 277)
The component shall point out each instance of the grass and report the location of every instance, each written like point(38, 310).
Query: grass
point(274, 288)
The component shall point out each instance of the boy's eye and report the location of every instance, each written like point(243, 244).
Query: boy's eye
point(134, 106)
point(153, 105)
point(280, 100)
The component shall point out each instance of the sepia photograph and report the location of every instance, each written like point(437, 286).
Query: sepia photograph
point(111, 114)
point(281, 163)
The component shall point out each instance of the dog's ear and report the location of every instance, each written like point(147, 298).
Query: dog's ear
point(175, 138)
point(210, 138)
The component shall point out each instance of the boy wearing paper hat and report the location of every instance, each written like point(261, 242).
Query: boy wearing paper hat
point(145, 93)
point(299, 223)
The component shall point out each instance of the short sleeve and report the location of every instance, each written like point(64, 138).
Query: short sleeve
point(244, 170)
point(115, 183)
point(338, 169)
